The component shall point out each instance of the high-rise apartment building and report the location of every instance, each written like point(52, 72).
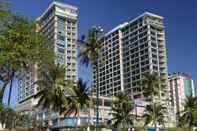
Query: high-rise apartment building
point(130, 50)
point(180, 86)
point(59, 24)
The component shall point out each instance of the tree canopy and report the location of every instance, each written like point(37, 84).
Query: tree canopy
point(122, 108)
point(22, 47)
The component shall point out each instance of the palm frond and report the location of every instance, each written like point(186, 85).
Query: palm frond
point(151, 85)
point(89, 47)
point(122, 110)
point(154, 113)
point(188, 116)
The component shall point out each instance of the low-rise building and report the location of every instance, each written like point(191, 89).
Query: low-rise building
point(180, 86)
point(87, 116)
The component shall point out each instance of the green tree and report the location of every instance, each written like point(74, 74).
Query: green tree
point(1, 115)
point(8, 117)
point(151, 88)
point(29, 122)
point(23, 121)
point(12, 116)
point(4, 11)
point(151, 85)
point(1, 111)
point(154, 114)
point(122, 109)
point(90, 54)
point(54, 89)
point(4, 15)
point(80, 101)
point(188, 117)
point(21, 48)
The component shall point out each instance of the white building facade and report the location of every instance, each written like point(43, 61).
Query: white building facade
point(130, 50)
point(59, 24)
point(180, 86)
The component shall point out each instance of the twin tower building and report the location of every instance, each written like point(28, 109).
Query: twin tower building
point(130, 50)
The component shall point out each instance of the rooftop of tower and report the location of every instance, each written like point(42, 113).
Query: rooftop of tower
point(136, 18)
point(57, 3)
point(176, 74)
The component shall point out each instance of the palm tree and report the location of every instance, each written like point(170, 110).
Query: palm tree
point(151, 85)
point(80, 101)
point(12, 117)
point(3, 115)
point(151, 88)
point(53, 89)
point(189, 114)
point(21, 47)
point(90, 54)
point(154, 114)
point(1, 107)
point(1, 111)
point(3, 9)
point(4, 13)
point(8, 117)
point(22, 121)
point(122, 109)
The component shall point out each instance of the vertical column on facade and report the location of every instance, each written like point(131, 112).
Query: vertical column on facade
point(55, 36)
point(76, 36)
point(121, 60)
point(149, 49)
point(158, 58)
point(140, 66)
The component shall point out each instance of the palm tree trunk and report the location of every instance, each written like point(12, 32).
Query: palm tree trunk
point(88, 128)
point(135, 106)
point(124, 126)
point(97, 98)
point(10, 90)
point(49, 119)
point(89, 115)
point(154, 117)
point(2, 92)
point(190, 128)
point(155, 126)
